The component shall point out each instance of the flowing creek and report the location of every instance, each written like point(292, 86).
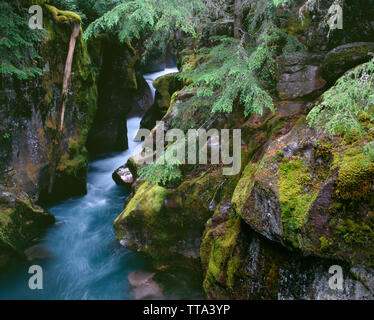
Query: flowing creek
point(85, 260)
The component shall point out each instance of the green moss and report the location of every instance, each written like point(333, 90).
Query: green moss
point(149, 199)
point(37, 2)
point(218, 255)
point(295, 194)
point(83, 99)
point(207, 187)
point(356, 233)
point(62, 16)
point(279, 155)
point(297, 28)
point(347, 54)
point(324, 243)
point(233, 268)
point(6, 217)
point(244, 187)
point(352, 236)
point(356, 175)
point(20, 223)
point(166, 85)
point(323, 150)
point(76, 159)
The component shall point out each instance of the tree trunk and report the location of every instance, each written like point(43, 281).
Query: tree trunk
point(238, 15)
point(67, 72)
point(65, 88)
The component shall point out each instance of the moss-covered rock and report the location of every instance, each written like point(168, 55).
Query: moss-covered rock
point(155, 222)
point(167, 223)
point(21, 223)
point(165, 87)
point(81, 104)
point(31, 111)
point(356, 175)
point(345, 57)
point(311, 192)
point(240, 264)
point(220, 259)
point(34, 147)
point(62, 16)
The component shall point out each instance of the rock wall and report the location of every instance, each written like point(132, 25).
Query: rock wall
point(29, 136)
point(30, 113)
point(122, 89)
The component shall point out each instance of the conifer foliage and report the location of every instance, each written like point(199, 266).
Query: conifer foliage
point(244, 68)
point(350, 98)
point(18, 43)
point(149, 20)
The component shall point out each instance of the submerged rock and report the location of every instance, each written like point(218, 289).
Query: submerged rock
point(38, 252)
point(144, 286)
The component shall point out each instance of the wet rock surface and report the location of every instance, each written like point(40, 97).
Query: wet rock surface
point(30, 112)
point(273, 232)
point(240, 264)
point(123, 176)
point(302, 202)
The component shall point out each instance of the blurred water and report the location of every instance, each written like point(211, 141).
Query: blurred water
point(87, 261)
point(150, 77)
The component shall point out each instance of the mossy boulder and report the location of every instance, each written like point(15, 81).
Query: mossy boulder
point(167, 223)
point(240, 264)
point(311, 192)
point(156, 222)
point(345, 57)
point(165, 87)
point(21, 224)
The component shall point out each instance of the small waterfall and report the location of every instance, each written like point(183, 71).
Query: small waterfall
point(150, 77)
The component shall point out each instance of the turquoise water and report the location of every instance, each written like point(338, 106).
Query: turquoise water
point(87, 262)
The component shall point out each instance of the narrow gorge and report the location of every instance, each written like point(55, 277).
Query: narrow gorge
point(105, 220)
